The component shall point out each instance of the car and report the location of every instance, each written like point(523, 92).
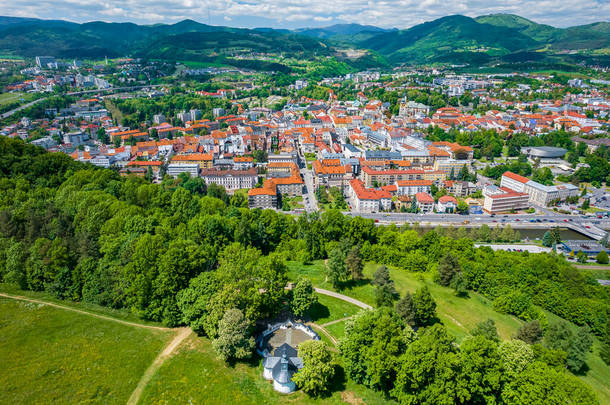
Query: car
point(587, 226)
point(517, 219)
point(494, 221)
point(565, 220)
point(376, 220)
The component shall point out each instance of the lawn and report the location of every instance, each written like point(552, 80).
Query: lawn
point(195, 375)
point(52, 355)
point(6, 98)
point(336, 329)
point(458, 314)
point(330, 309)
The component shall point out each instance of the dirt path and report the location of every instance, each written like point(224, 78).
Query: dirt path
point(591, 267)
point(335, 321)
point(327, 333)
point(108, 318)
point(182, 334)
point(343, 297)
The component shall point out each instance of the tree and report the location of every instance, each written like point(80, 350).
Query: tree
point(581, 257)
point(540, 384)
point(481, 370)
point(234, 341)
point(546, 239)
point(425, 307)
point(354, 263)
point(460, 285)
point(516, 356)
point(318, 370)
point(405, 308)
point(559, 336)
point(447, 269)
point(381, 276)
point(385, 295)
point(487, 329)
point(374, 341)
point(585, 205)
point(530, 332)
point(429, 370)
point(604, 240)
point(303, 297)
point(385, 292)
point(149, 174)
point(602, 257)
point(336, 270)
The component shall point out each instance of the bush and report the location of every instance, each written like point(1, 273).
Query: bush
point(602, 257)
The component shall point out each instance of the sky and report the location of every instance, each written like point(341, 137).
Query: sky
point(305, 13)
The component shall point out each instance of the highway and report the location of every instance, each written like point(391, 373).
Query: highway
point(74, 93)
point(21, 107)
point(590, 226)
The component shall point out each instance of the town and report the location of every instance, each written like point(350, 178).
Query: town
point(193, 213)
point(471, 152)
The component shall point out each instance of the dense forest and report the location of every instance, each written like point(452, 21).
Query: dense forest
point(183, 253)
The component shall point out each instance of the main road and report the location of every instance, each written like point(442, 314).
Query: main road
point(75, 93)
point(589, 225)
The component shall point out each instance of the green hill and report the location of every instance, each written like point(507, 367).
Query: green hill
point(496, 37)
point(452, 39)
point(583, 37)
point(449, 38)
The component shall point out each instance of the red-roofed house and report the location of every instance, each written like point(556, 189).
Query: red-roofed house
point(412, 187)
point(368, 199)
point(425, 202)
point(446, 203)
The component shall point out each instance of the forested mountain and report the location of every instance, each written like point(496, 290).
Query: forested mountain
point(98, 39)
point(338, 29)
point(502, 37)
point(451, 39)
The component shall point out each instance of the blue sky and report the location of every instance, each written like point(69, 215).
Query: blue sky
point(305, 13)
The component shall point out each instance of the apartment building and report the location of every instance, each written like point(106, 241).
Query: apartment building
point(231, 180)
point(503, 199)
point(412, 187)
point(367, 199)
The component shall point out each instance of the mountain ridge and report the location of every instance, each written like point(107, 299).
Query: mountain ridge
point(451, 39)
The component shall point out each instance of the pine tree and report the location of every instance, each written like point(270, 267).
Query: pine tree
point(354, 264)
point(447, 269)
point(405, 308)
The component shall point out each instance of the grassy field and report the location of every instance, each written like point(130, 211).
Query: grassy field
point(8, 98)
point(52, 355)
point(330, 309)
point(195, 375)
point(460, 315)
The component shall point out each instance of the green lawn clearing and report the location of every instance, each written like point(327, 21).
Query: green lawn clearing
point(195, 375)
point(52, 355)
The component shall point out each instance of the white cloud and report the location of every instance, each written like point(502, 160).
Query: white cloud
point(290, 14)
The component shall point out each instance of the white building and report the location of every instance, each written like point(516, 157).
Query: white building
point(231, 180)
point(368, 199)
point(412, 187)
point(174, 169)
point(539, 194)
